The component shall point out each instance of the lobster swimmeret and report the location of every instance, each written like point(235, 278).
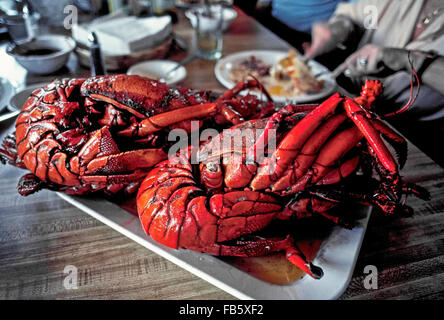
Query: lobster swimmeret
point(320, 150)
point(102, 133)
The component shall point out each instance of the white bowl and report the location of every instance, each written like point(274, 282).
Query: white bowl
point(48, 63)
point(229, 14)
point(156, 69)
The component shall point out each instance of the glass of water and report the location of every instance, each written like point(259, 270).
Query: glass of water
point(208, 32)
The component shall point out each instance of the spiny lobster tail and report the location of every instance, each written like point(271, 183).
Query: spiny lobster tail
point(176, 212)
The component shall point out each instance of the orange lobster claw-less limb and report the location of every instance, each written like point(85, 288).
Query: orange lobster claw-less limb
point(101, 154)
point(358, 116)
point(308, 154)
point(398, 142)
point(335, 149)
point(337, 174)
point(262, 247)
point(325, 167)
point(242, 85)
point(291, 145)
point(160, 121)
point(126, 161)
point(220, 106)
point(311, 148)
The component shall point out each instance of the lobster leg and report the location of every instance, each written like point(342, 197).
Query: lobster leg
point(391, 187)
point(337, 174)
point(308, 153)
point(368, 192)
point(325, 169)
point(242, 85)
point(309, 204)
point(398, 142)
point(359, 117)
point(101, 162)
point(126, 161)
point(291, 145)
point(336, 148)
point(331, 176)
point(160, 121)
point(262, 247)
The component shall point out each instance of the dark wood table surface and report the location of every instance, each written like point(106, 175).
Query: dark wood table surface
point(41, 234)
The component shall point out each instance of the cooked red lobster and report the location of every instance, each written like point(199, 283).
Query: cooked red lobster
point(105, 132)
point(325, 154)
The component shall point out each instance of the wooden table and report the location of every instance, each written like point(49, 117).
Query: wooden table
point(41, 234)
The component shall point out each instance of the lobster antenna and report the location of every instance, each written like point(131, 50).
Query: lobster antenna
point(412, 98)
point(263, 90)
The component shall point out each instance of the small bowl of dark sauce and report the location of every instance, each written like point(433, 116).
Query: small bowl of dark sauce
point(43, 54)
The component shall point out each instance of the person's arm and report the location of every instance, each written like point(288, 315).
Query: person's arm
point(348, 20)
point(326, 36)
point(374, 60)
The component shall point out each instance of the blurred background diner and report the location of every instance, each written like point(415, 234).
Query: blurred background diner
point(355, 40)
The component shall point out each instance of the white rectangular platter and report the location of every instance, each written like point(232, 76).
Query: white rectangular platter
point(337, 256)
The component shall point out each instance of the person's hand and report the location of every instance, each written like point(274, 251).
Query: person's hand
point(366, 61)
point(321, 41)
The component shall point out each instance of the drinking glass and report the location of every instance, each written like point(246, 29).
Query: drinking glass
point(208, 32)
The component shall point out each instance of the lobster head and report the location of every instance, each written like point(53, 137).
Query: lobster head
point(370, 91)
point(141, 96)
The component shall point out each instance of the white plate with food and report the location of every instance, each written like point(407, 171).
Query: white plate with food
point(284, 74)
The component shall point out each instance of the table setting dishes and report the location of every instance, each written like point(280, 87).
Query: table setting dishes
point(20, 21)
point(43, 54)
point(19, 98)
point(125, 40)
